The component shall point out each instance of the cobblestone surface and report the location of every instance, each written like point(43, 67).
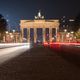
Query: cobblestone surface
point(41, 63)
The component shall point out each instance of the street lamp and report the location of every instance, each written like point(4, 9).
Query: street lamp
point(6, 32)
point(68, 34)
point(72, 32)
point(13, 31)
point(65, 30)
point(10, 33)
point(72, 35)
point(14, 35)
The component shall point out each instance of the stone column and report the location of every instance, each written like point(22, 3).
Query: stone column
point(56, 34)
point(22, 34)
point(35, 35)
point(44, 37)
point(50, 34)
point(28, 35)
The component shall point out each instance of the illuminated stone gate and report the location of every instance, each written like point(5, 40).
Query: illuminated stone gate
point(39, 22)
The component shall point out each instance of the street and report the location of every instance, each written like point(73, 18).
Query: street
point(39, 63)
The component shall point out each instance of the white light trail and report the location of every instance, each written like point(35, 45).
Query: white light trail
point(9, 53)
point(5, 45)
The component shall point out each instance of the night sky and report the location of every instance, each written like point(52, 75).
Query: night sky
point(15, 10)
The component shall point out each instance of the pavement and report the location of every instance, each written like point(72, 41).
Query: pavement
point(41, 63)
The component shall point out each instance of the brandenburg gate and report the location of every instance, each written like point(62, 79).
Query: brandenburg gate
point(39, 22)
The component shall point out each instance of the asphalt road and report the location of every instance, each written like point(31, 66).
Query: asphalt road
point(41, 63)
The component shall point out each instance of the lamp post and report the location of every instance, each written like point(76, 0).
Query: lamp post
point(14, 40)
point(64, 37)
point(68, 36)
point(6, 34)
point(72, 35)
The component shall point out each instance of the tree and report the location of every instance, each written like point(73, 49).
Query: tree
point(3, 26)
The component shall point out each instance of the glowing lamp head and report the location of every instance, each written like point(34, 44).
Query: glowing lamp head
point(13, 31)
point(65, 30)
point(7, 32)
